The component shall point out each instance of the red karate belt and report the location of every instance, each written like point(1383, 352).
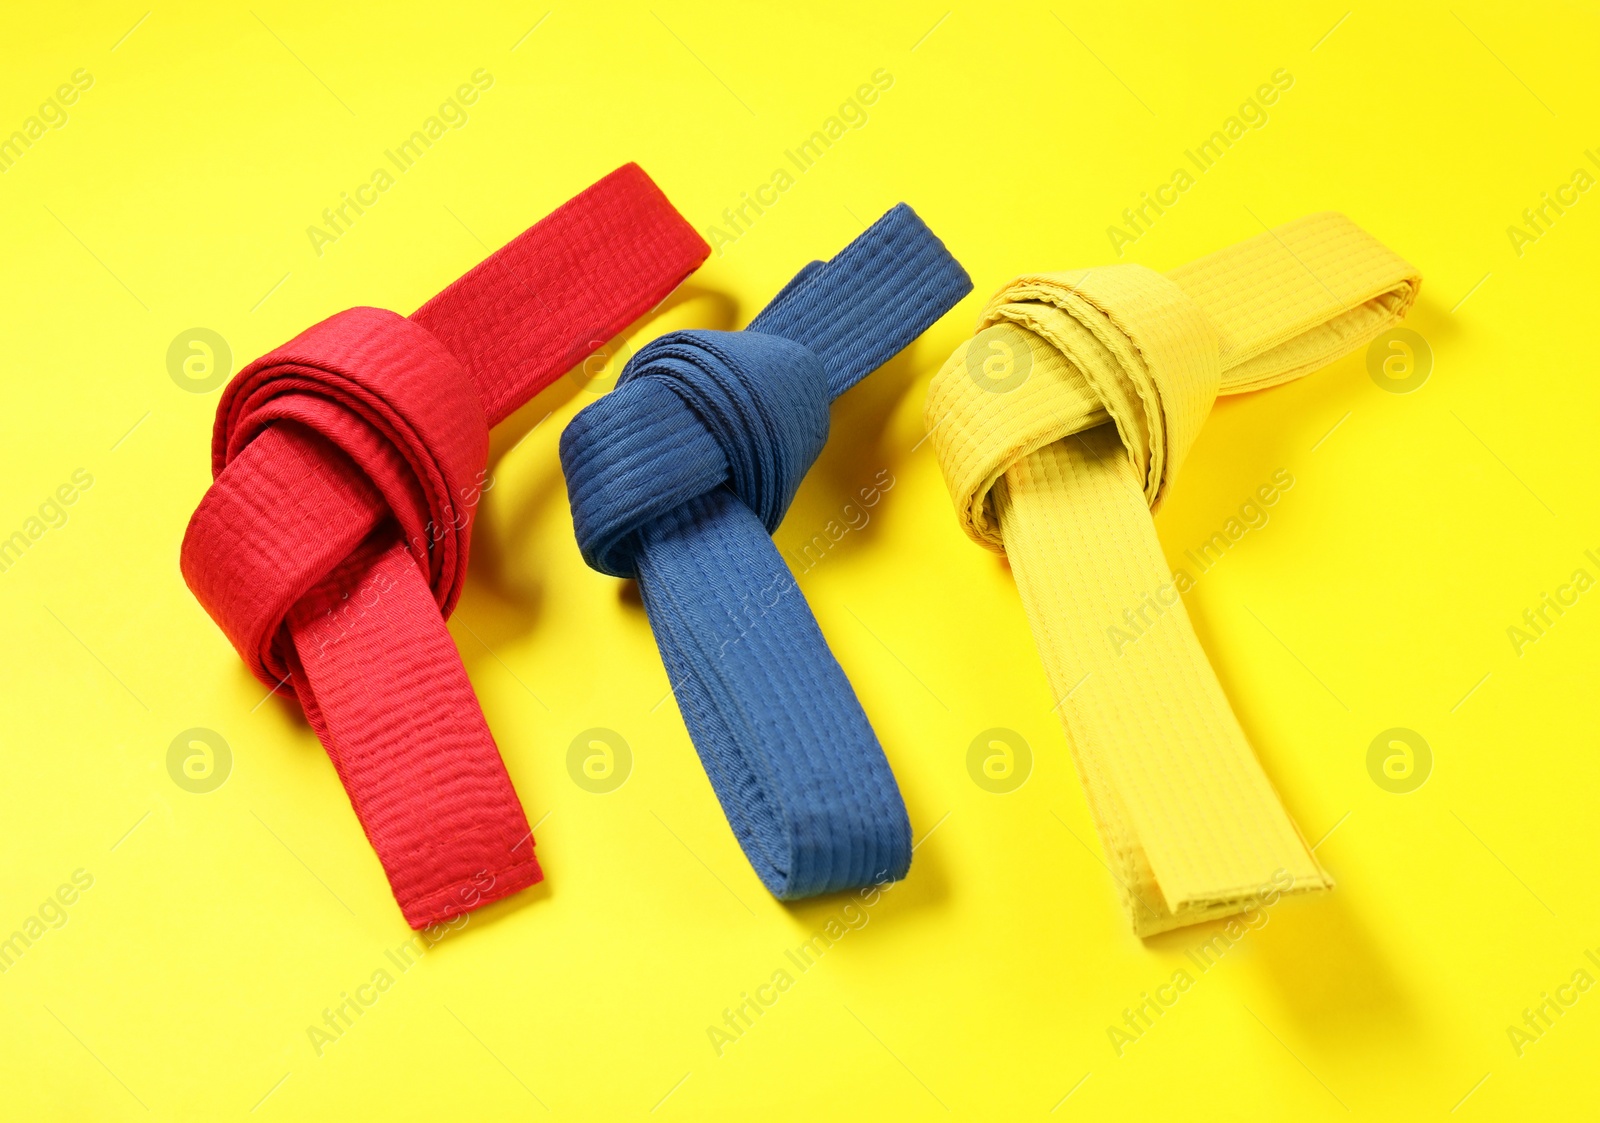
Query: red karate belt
point(332, 545)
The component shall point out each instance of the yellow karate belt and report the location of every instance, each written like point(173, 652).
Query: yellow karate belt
point(1058, 427)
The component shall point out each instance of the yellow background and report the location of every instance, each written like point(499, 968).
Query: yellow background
point(220, 925)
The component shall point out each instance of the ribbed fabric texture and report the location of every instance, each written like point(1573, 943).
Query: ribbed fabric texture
point(679, 476)
point(1058, 469)
point(333, 543)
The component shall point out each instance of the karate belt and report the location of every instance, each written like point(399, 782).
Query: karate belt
point(680, 475)
point(333, 543)
point(1056, 427)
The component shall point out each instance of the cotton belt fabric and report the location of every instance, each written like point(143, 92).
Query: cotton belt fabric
point(680, 475)
point(1058, 428)
point(332, 545)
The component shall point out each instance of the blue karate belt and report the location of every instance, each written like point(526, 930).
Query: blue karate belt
point(678, 478)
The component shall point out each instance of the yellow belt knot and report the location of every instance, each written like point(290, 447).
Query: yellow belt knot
point(1058, 427)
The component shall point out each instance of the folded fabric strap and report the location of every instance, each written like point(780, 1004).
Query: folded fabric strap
point(1056, 427)
point(333, 543)
point(680, 475)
